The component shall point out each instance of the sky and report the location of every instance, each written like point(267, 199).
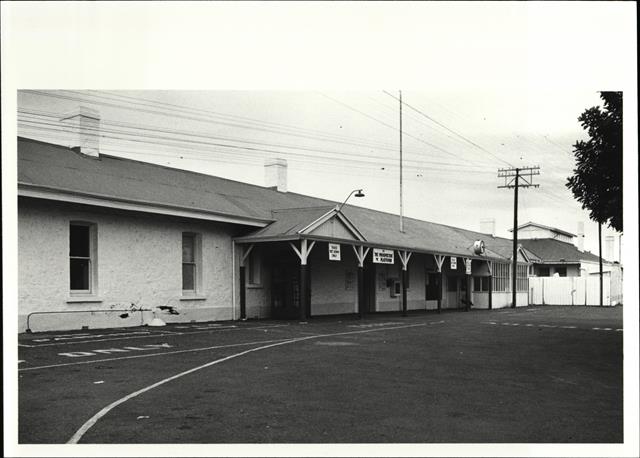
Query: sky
point(454, 142)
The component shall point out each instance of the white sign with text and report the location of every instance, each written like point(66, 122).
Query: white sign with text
point(454, 263)
point(382, 256)
point(334, 252)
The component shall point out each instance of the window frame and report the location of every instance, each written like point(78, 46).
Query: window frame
point(483, 282)
point(92, 259)
point(196, 263)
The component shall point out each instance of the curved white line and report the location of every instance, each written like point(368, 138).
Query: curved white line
point(92, 421)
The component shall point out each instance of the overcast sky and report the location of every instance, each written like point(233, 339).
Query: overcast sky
point(334, 142)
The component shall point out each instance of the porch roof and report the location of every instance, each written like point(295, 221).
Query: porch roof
point(380, 230)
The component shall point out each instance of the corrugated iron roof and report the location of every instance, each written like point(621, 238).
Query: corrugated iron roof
point(552, 250)
point(58, 167)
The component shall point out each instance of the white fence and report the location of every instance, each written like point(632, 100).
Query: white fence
point(570, 291)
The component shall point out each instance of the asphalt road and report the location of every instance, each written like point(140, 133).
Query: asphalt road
point(531, 375)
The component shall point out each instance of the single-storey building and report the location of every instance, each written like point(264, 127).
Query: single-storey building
point(552, 252)
point(108, 241)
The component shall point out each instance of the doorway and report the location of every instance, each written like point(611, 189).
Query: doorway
point(369, 275)
point(456, 291)
point(285, 290)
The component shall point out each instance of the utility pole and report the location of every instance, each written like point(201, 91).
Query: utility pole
point(515, 178)
point(401, 222)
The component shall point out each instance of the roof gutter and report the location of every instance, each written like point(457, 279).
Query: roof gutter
point(317, 238)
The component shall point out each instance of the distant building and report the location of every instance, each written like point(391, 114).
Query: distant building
point(552, 252)
point(99, 233)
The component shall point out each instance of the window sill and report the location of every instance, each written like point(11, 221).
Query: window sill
point(74, 299)
point(193, 298)
point(255, 286)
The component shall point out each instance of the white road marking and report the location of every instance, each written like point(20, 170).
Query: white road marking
point(108, 351)
point(529, 325)
point(92, 421)
point(157, 334)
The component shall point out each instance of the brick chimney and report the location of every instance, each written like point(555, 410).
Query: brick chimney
point(488, 226)
point(275, 174)
point(83, 124)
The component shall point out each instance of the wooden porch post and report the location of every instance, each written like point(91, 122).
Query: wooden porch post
point(439, 261)
point(243, 290)
point(404, 258)
point(303, 254)
point(361, 254)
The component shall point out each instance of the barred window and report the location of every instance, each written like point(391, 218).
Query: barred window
point(522, 280)
point(501, 276)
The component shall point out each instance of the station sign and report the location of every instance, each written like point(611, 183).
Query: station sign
point(382, 256)
point(454, 263)
point(334, 252)
point(467, 265)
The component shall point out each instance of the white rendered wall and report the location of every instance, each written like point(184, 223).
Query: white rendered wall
point(138, 260)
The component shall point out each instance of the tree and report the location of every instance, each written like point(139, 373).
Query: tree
point(597, 178)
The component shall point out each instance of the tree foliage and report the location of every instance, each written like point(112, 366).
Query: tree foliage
point(597, 177)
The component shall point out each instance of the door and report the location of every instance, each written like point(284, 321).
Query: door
point(453, 291)
point(369, 275)
point(285, 291)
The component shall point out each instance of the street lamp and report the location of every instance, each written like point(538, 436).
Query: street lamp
point(358, 192)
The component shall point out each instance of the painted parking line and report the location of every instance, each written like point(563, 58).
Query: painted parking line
point(92, 421)
point(191, 350)
point(551, 326)
point(108, 351)
point(159, 333)
point(144, 335)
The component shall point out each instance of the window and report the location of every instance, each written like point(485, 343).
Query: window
point(481, 284)
point(254, 269)
point(190, 262)
point(501, 276)
point(522, 279)
point(561, 271)
point(82, 258)
point(543, 271)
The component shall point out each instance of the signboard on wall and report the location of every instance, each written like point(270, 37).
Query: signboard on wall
point(382, 256)
point(467, 265)
point(334, 252)
point(454, 263)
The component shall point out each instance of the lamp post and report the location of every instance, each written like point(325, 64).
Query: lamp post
point(360, 256)
point(358, 192)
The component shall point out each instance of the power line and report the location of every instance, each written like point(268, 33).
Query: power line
point(376, 160)
point(390, 126)
point(207, 146)
point(450, 130)
point(340, 154)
